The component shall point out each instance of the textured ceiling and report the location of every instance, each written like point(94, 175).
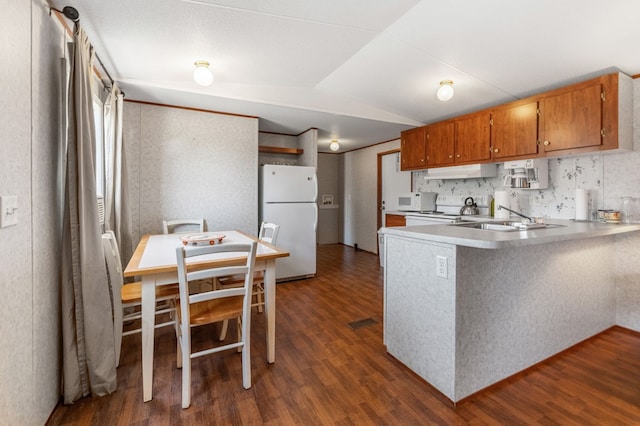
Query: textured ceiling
point(360, 71)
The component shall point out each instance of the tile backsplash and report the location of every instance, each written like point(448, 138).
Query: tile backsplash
point(566, 174)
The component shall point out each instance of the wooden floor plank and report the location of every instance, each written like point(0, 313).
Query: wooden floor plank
point(329, 374)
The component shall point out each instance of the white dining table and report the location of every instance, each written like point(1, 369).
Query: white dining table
point(154, 262)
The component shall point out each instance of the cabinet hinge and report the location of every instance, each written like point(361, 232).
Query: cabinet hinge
point(538, 111)
point(491, 122)
point(538, 142)
point(602, 132)
point(603, 96)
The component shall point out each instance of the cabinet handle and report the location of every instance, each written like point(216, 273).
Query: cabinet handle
point(450, 156)
point(496, 150)
point(458, 156)
point(547, 143)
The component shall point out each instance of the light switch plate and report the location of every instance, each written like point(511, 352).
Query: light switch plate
point(8, 210)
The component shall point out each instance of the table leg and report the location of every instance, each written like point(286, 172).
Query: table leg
point(270, 308)
point(148, 329)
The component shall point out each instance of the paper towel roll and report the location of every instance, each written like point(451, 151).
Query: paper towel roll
point(502, 199)
point(582, 204)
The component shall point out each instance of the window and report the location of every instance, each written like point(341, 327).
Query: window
point(98, 118)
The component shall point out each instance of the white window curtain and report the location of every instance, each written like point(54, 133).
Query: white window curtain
point(117, 214)
point(89, 365)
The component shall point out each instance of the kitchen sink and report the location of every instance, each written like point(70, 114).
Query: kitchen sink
point(506, 226)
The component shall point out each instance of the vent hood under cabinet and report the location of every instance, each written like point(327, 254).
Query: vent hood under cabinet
point(471, 171)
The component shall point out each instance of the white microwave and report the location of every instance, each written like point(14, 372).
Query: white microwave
point(417, 202)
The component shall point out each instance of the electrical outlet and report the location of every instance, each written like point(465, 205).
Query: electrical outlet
point(441, 266)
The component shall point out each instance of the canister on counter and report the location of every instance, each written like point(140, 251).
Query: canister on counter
point(609, 216)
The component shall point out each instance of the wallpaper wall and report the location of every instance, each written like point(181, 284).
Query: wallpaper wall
point(29, 262)
point(186, 163)
point(360, 198)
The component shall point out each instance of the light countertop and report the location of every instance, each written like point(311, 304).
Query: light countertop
point(480, 238)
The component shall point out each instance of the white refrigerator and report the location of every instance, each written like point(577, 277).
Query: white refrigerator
point(288, 197)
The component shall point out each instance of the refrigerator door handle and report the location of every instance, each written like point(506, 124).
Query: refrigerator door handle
point(315, 224)
point(315, 180)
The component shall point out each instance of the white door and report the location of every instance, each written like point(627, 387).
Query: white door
point(394, 182)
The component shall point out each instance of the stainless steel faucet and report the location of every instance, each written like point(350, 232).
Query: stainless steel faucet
point(515, 212)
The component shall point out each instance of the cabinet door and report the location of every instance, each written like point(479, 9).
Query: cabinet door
point(572, 119)
point(412, 149)
point(473, 138)
point(394, 220)
point(514, 130)
point(440, 144)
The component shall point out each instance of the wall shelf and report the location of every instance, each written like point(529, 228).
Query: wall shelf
point(279, 150)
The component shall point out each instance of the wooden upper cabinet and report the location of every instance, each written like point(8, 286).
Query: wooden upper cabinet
point(572, 119)
point(473, 138)
point(594, 115)
point(413, 149)
point(440, 144)
point(514, 130)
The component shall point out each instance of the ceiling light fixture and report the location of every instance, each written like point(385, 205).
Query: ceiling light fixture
point(445, 92)
point(334, 146)
point(202, 74)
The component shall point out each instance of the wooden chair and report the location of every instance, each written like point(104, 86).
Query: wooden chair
point(269, 234)
point(214, 306)
point(186, 225)
point(182, 225)
point(127, 298)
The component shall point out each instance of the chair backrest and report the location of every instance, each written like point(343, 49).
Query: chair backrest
point(269, 232)
point(193, 253)
point(182, 225)
point(114, 266)
point(112, 256)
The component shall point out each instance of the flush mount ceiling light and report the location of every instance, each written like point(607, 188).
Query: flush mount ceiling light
point(202, 74)
point(334, 146)
point(445, 92)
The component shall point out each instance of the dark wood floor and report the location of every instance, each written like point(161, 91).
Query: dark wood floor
point(327, 373)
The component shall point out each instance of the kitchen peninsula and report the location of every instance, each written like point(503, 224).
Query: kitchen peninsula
point(466, 308)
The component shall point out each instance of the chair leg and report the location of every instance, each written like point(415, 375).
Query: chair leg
point(185, 343)
point(186, 380)
point(259, 297)
point(117, 334)
point(246, 352)
point(176, 326)
point(178, 346)
point(223, 332)
point(240, 330)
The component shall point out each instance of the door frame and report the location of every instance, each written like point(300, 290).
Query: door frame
point(379, 195)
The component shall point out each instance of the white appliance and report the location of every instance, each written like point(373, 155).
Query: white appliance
point(417, 201)
point(527, 174)
point(288, 197)
point(470, 171)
